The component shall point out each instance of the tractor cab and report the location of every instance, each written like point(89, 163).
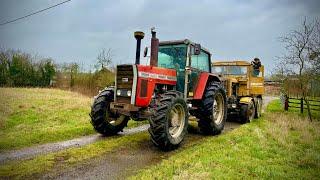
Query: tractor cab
point(184, 55)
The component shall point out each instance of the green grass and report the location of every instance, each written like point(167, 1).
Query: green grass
point(67, 158)
point(277, 146)
point(30, 116)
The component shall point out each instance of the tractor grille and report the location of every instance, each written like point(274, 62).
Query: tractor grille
point(124, 81)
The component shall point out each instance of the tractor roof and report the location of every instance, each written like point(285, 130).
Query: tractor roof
point(231, 63)
point(184, 41)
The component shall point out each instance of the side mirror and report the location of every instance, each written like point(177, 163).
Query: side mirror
point(197, 49)
point(145, 52)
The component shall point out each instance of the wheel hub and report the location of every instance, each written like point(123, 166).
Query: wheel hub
point(218, 109)
point(114, 119)
point(117, 121)
point(176, 122)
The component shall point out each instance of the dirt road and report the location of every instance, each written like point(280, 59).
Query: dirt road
point(117, 164)
point(30, 152)
point(128, 160)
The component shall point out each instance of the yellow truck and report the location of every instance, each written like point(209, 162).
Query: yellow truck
point(244, 86)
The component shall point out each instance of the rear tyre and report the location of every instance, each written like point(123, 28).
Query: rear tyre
point(169, 123)
point(103, 120)
point(258, 108)
point(212, 112)
point(247, 112)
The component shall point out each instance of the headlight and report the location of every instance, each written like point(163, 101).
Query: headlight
point(118, 92)
point(129, 93)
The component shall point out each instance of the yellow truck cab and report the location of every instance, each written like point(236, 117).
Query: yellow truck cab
point(244, 85)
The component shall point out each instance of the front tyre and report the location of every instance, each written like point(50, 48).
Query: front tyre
point(258, 107)
point(103, 120)
point(247, 112)
point(168, 124)
point(212, 112)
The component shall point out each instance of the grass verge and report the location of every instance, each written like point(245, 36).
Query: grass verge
point(279, 145)
point(30, 116)
point(67, 158)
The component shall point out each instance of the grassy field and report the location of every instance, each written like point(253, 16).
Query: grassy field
point(277, 146)
point(30, 116)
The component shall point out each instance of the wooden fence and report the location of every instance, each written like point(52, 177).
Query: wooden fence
point(300, 104)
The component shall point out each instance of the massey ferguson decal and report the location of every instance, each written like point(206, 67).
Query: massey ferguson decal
point(157, 76)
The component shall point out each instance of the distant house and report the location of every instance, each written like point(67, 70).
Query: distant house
point(272, 87)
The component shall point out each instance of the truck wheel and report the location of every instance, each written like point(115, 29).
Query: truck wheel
point(212, 112)
point(258, 108)
point(103, 120)
point(247, 112)
point(169, 122)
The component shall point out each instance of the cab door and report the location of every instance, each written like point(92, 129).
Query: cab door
point(199, 63)
point(174, 57)
point(256, 79)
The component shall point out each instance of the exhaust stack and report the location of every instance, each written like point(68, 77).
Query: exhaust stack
point(138, 35)
point(154, 48)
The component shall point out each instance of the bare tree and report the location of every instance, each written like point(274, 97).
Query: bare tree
point(314, 48)
point(302, 54)
point(104, 58)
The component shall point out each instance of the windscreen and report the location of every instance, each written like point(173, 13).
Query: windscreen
point(172, 56)
point(230, 70)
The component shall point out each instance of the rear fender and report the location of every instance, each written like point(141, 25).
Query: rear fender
point(203, 80)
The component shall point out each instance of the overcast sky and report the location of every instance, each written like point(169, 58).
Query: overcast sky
point(76, 31)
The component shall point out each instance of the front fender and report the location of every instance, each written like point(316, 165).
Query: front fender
point(203, 79)
point(245, 100)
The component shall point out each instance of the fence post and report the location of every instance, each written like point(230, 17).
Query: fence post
point(301, 105)
point(286, 103)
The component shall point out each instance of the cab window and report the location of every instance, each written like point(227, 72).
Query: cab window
point(230, 70)
point(172, 56)
point(200, 61)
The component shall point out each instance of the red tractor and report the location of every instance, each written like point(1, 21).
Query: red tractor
point(177, 83)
